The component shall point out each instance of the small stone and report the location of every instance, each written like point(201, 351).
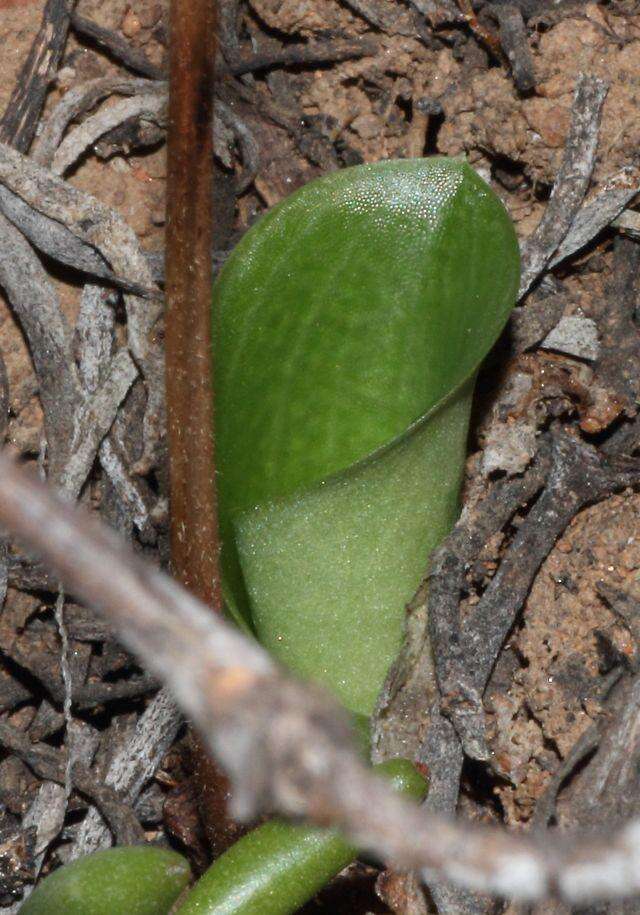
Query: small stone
point(131, 24)
point(575, 336)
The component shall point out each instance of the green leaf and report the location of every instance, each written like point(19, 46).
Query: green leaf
point(136, 880)
point(349, 324)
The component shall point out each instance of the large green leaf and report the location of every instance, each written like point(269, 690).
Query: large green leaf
point(349, 324)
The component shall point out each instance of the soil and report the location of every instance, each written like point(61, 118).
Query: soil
point(433, 84)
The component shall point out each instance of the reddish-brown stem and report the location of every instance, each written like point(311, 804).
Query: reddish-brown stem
point(194, 528)
point(189, 374)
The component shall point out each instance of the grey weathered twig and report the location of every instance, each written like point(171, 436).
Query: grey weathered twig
point(579, 476)
point(58, 242)
point(78, 101)
point(102, 228)
point(75, 424)
point(570, 185)
point(249, 148)
point(302, 54)
point(133, 766)
point(93, 420)
point(628, 222)
point(31, 294)
point(94, 335)
point(20, 119)
point(599, 212)
point(51, 764)
point(115, 45)
point(45, 667)
point(151, 106)
point(616, 370)
point(529, 325)
point(285, 745)
point(513, 38)
point(46, 817)
point(94, 341)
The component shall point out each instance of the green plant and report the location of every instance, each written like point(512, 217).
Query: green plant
point(349, 325)
point(140, 880)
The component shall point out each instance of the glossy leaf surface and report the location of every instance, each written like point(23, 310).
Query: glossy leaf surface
point(349, 324)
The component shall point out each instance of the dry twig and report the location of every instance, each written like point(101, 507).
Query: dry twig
point(286, 746)
point(115, 45)
point(20, 120)
point(149, 107)
point(513, 38)
point(570, 185)
point(31, 293)
point(133, 766)
point(579, 476)
point(104, 230)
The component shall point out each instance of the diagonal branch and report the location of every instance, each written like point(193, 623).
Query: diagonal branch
point(572, 181)
point(261, 724)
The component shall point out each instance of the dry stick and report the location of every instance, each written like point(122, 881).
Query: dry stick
point(54, 239)
point(21, 116)
point(77, 102)
point(544, 308)
point(104, 230)
point(115, 45)
point(45, 818)
point(51, 765)
point(572, 181)
point(36, 304)
point(287, 746)
point(189, 382)
point(515, 44)
point(134, 764)
point(320, 52)
point(613, 194)
point(579, 476)
point(148, 107)
point(299, 54)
